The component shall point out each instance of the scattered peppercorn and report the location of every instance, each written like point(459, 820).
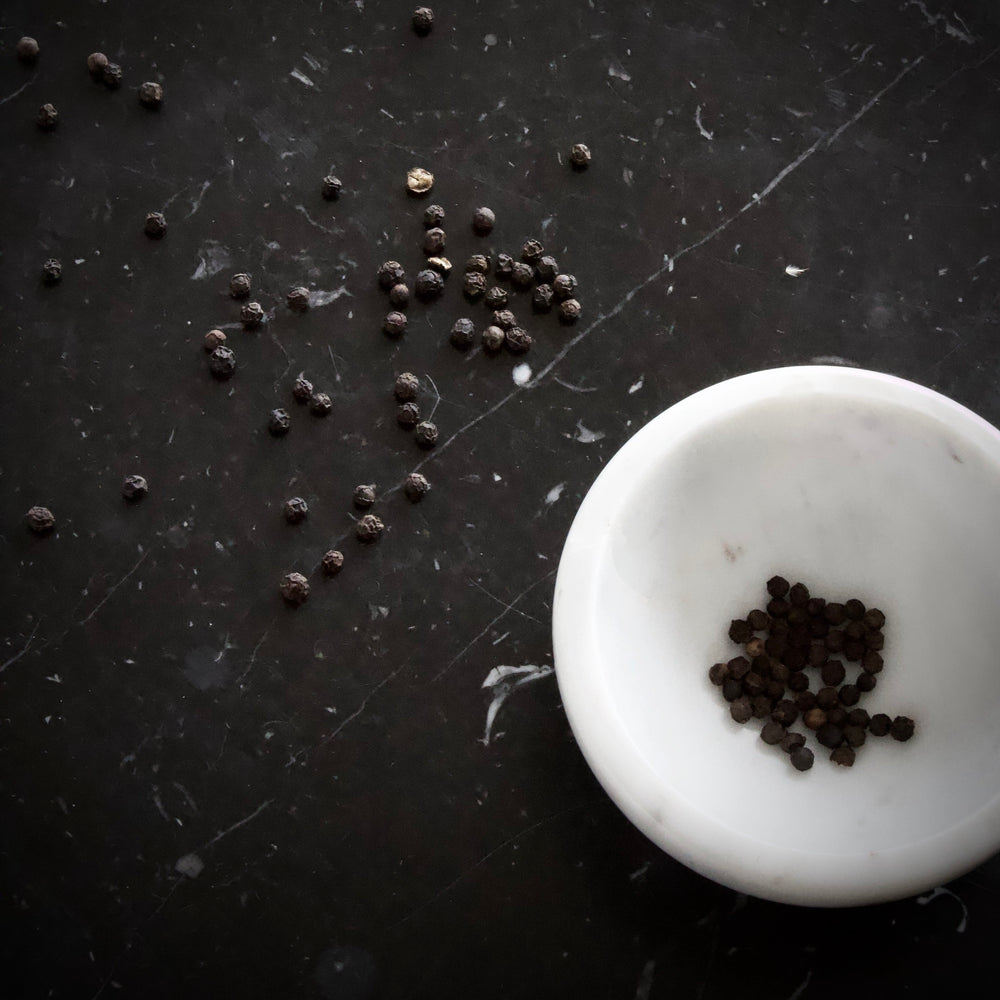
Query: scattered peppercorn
point(252, 315)
point(814, 718)
point(394, 325)
point(546, 269)
point(826, 697)
point(569, 311)
point(504, 265)
point(434, 241)
point(522, 276)
point(406, 387)
point(478, 263)
point(296, 510)
point(854, 608)
point(47, 118)
point(474, 284)
point(772, 733)
point(532, 251)
point(320, 404)
point(279, 422)
point(27, 50)
point(112, 76)
point(440, 264)
point(368, 528)
point(493, 339)
point(364, 496)
point(463, 334)
point(416, 487)
point(902, 728)
point(222, 362)
point(331, 187)
point(295, 588)
point(134, 488)
point(150, 95)
point(390, 273)
point(483, 221)
point(802, 759)
point(791, 742)
point(731, 689)
point(579, 156)
point(832, 672)
point(854, 650)
point(433, 216)
point(426, 434)
point(333, 562)
point(496, 297)
point(872, 662)
point(785, 712)
point(880, 724)
point(873, 619)
point(399, 296)
point(834, 613)
point(96, 63)
point(408, 414)
point(419, 181)
point(854, 736)
point(51, 272)
point(740, 630)
point(866, 682)
point(518, 340)
point(428, 285)
point(40, 520)
point(843, 755)
point(155, 225)
point(504, 319)
point(214, 339)
point(303, 389)
point(298, 299)
point(717, 673)
point(240, 285)
point(564, 286)
point(740, 709)
point(830, 735)
point(423, 20)
point(541, 298)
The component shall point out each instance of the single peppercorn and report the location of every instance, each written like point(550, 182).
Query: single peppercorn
point(134, 488)
point(504, 319)
point(390, 273)
point(755, 647)
point(797, 616)
point(732, 689)
point(814, 718)
point(880, 724)
point(717, 673)
point(331, 187)
point(364, 496)
point(320, 404)
point(518, 340)
point(740, 630)
point(474, 285)
point(394, 324)
point(240, 285)
point(27, 50)
point(738, 667)
point(428, 285)
point(838, 716)
point(302, 390)
point(433, 216)
point(440, 264)
point(818, 655)
point(496, 297)
point(772, 733)
point(155, 225)
point(541, 298)
point(866, 682)
point(296, 510)
point(815, 606)
point(426, 434)
point(833, 672)
point(214, 339)
point(569, 311)
point(872, 662)
point(483, 221)
point(854, 630)
point(834, 613)
point(579, 156)
point(478, 263)
point(408, 414)
point(434, 241)
point(804, 700)
point(854, 608)
point(493, 339)
point(416, 487)
point(798, 682)
point(791, 742)
point(564, 286)
point(802, 759)
point(761, 706)
point(419, 181)
point(759, 620)
point(111, 75)
point(854, 736)
point(826, 697)
point(834, 640)
point(753, 683)
point(785, 712)
point(252, 315)
point(546, 269)
point(854, 650)
point(777, 586)
point(843, 755)
point(522, 276)
point(874, 640)
point(423, 20)
point(368, 528)
point(399, 296)
point(902, 728)
point(795, 658)
point(332, 562)
point(873, 619)
point(463, 334)
point(40, 520)
point(798, 595)
point(51, 272)
point(504, 265)
point(740, 709)
point(47, 118)
point(96, 62)
point(830, 736)
point(294, 588)
point(150, 95)
point(532, 251)
point(279, 422)
point(780, 672)
point(222, 362)
point(406, 387)
point(298, 299)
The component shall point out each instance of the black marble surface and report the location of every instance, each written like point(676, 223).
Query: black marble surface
point(203, 792)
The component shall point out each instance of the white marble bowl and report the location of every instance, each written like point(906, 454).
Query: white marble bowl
point(858, 484)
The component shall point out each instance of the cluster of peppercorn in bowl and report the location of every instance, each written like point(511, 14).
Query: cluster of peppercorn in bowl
point(882, 494)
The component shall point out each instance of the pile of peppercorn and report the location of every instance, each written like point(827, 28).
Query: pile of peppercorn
point(798, 640)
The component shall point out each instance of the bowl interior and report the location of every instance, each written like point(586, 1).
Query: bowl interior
point(858, 485)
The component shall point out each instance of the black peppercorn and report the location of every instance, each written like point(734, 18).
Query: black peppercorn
point(804, 700)
point(833, 672)
point(780, 672)
point(772, 733)
point(504, 265)
point(214, 339)
point(320, 404)
point(843, 755)
point(496, 298)
point(815, 606)
point(871, 662)
point(298, 299)
point(428, 285)
point(569, 311)
point(333, 562)
point(717, 673)
point(295, 510)
point(416, 487)
point(740, 630)
point(155, 225)
point(522, 276)
point(802, 759)
point(826, 697)
point(541, 299)
point(579, 156)
point(40, 520)
point(798, 682)
point(390, 273)
point(849, 694)
point(738, 667)
point(854, 630)
point(51, 272)
point(440, 264)
point(813, 718)
point(755, 647)
point(564, 287)
point(406, 387)
point(740, 709)
point(753, 683)
point(854, 650)
point(778, 607)
point(399, 296)
point(434, 241)
point(795, 658)
point(873, 619)
point(880, 724)
point(546, 269)
point(27, 50)
point(478, 263)
point(776, 645)
point(150, 95)
point(278, 422)
point(222, 362)
point(433, 216)
point(818, 627)
point(473, 284)
point(303, 389)
point(47, 118)
point(134, 488)
point(902, 728)
point(295, 588)
point(331, 187)
point(797, 616)
point(504, 319)
point(493, 339)
point(732, 689)
point(394, 324)
point(239, 286)
point(837, 715)
point(761, 705)
point(368, 528)
point(866, 682)
point(830, 736)
point(96, 62)
point(834, 613)
point(408, 414)
point(854, 608)
point(483, 221)
point(777, 586)
point(518, 340)
point(791, 742)
point(423, 20)
point(252, 315)
point(112, 76)
point(834, 640)
point(874, 639)
point(785, 712)
point(817, 655)
point(798, 595)
point(854, 736)
point(463, 334)
point(532, 251)
point(364, 496)
point(426, 434)
point(759, 620)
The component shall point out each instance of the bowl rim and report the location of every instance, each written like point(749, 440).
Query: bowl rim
point(668, 819)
